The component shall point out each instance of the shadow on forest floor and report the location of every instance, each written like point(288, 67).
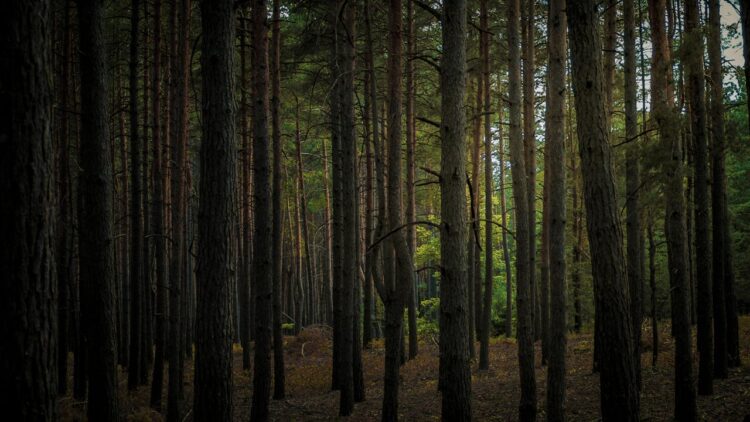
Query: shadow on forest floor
point(495, 392)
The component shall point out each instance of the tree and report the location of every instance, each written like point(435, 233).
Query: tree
point(489, 273)
point(278, 338)
point(720, 245)
point(555, 158)
point(524, 290)
point(137, 272)
point(674, 226)
point(96, 240)
point(619, 390)
point(693, 59)
point(213, 349)
point(179, 265)
point(263, 237)
point(634, 232)
point(455, 376)
point(411, 143)
point(28, 354)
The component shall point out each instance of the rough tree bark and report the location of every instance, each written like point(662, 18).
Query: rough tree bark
point(96, 240)
point(455, 376)
point(619, 389)
point(263, 238)
point(213, 349)
point(28, 354)
point(555, 157)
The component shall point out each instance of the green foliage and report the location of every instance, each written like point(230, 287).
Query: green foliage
point(427, 321)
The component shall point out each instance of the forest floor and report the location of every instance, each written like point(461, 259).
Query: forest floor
point(495, 392)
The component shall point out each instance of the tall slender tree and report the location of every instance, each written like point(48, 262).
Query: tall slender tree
point(263, 218)
point(28, 354)
point(718, 193)
point(213, 349)
point(693, 58)
point(664, 114)
point(96, 238)
point(555, 157)
point(619, 390)
point(455, 376)
point(278, 339)
point(524, 290)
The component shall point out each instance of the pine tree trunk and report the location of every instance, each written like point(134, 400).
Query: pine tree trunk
point(619, 389)
point(29, 297)
point(504, 221)
point(718, 193)
point(136, 205)
point(693, 60)
point(666, 119)
point(489, 269)
point(634, 233)
point(278, 338)
point(455, 377)
point(555, 157)
point(96, 240)
point(411, 143)
point(213, 351)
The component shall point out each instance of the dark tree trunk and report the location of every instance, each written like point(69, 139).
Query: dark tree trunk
point(136, 205)
point(179, 265)
point(411, 143)
point(455, 376)
point(489, 270)
point(555, 157)
point(504, 221)
point(632, 186)
point(529, 146)
point(718, 193)
point(524, 288)
point(278, 338)
point(619, 389)
point(666, 119)
point(157, 219)
point(246, 258)
point(745, 23)
point(29, 353)
point(213, 349)
point(693, 59)
point(96, 240)
point(263, 218)
point(369, 303)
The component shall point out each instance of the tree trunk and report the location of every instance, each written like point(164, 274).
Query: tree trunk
point(369, 303)
point(504, 221)
point(96, 240)
point(652, 286)
point(529, 145)
point(278, 338)
point(213, 351)
point(489, 270)
point(473, 237)
point(524, 269)
point(179, 266)
point(157, 219)
point(632, 186)
point(693, 59)
point(29, 353)
point(455, 375)
point(718, 193)
point(246, 192)
point(136, 204)
point(411, 143)
point(745, 23)
point(619, 389)
point(666, 119)
point(555, 158)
